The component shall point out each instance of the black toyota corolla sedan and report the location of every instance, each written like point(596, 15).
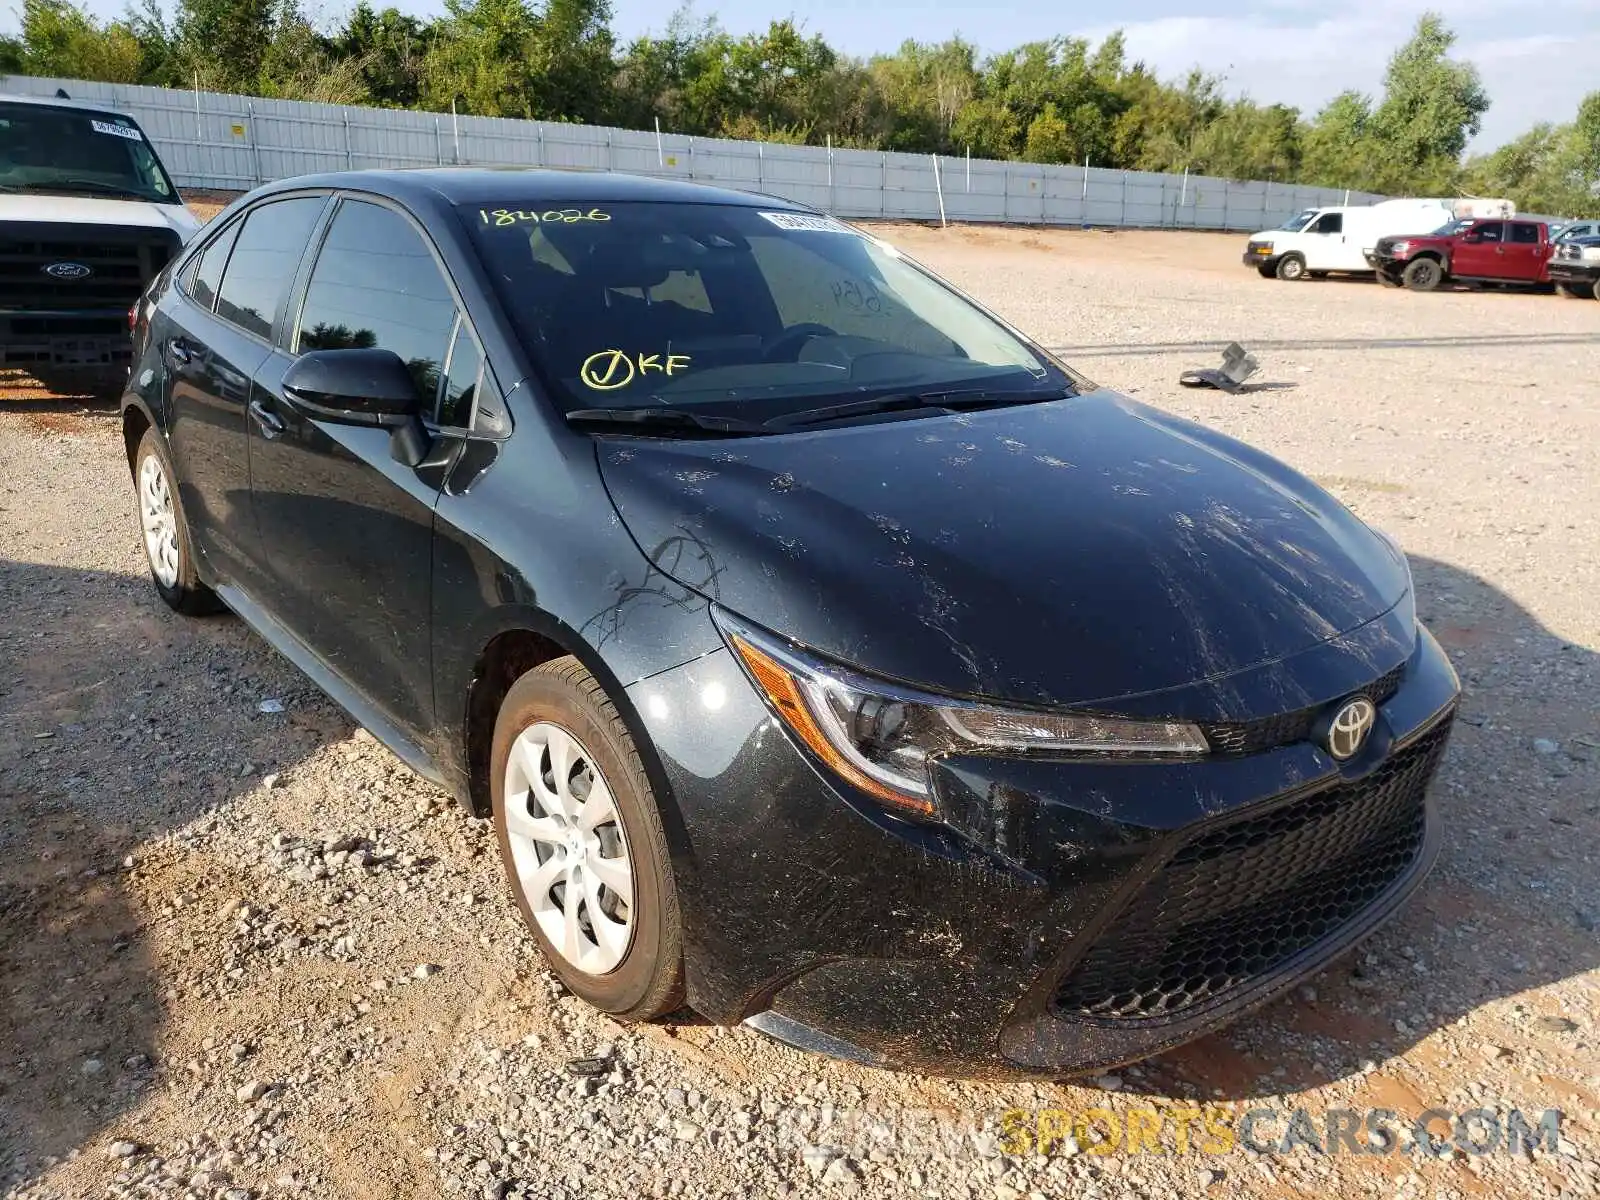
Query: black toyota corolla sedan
point(827, 655)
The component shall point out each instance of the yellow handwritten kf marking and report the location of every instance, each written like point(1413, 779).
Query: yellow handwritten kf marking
point(608, 370)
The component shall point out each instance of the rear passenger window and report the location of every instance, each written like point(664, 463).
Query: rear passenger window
point(376, 286)
point(208, 274)
point(1525, 233)
point(265, 257)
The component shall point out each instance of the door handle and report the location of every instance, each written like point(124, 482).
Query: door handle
point(270, 424)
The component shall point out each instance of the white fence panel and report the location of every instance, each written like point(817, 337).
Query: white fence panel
point(232, 143)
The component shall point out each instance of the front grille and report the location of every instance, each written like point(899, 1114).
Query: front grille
point(1252, 737)
point(121, 261)
point(1239, 901)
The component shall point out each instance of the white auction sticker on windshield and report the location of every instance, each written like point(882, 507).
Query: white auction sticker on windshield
point(805, 223)
point(121, 131)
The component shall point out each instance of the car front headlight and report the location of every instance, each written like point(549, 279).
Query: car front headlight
point(1401, 248)
point(881, 736)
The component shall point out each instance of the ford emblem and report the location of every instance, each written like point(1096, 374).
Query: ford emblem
point(68, 270)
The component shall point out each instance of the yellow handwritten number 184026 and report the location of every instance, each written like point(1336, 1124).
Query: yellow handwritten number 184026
point(608, 370)
point(502, 217)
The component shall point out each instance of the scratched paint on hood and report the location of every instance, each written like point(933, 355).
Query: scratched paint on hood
point(1118, 550)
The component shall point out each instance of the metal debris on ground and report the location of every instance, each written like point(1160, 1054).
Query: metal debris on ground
point(1237, 366)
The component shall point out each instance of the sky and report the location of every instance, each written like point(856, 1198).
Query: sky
point(1537, 61)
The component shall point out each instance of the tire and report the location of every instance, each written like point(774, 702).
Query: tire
point(168, 547)
point(1423, 274)
point(1595, 289)
point(1267, 271)
point(1291, 268)
point(628, 961)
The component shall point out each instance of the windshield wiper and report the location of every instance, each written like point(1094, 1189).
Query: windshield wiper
point(648, 420)
point(953, 400)
point(80, 185)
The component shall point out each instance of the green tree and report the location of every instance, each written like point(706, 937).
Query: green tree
point(1334, 148)
point(1432, 106)
point(1048, 139)
point(59, 38)
point(390, 47)
point(571, 59)
point(476, 62)
point(1551, 169)
point(300, 64)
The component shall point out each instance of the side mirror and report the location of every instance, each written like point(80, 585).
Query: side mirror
point(353, 387)
point(361, 387)
point(1472, 237)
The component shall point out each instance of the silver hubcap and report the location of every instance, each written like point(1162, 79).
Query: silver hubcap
point(160, 522)
point(569, 848)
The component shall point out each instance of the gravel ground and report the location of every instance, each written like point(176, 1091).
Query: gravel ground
point(245, 953)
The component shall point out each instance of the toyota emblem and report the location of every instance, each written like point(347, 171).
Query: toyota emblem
point(1348, 730)
point(67, 270)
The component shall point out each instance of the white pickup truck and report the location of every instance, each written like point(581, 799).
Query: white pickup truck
point(88, 216)
point(1336, 240)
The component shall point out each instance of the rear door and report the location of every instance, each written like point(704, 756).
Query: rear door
point(346, 530)
point(1478, 252)
point(214, 335)
point(1524, 251)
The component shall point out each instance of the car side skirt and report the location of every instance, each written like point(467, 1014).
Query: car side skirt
point(402, 745)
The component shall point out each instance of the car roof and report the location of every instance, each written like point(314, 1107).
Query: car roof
point(519, 185)
point(63, 102)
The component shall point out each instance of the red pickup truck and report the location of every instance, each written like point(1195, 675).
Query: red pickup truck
point(1470, 251)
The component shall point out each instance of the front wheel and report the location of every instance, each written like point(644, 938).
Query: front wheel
point(1423, 274)
point(1291, 268)
point(168, 548)
point(583, 845)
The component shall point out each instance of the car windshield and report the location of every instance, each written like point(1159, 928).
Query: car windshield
point(1298, 222)
point(1451, 228)
point(73, 151)
point(734, 311)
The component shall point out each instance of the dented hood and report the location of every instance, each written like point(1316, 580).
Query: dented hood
point(1056, 553)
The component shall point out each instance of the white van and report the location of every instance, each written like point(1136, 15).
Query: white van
point(1322, 241)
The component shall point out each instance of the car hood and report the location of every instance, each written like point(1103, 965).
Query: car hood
point(1416, 239)
point(1059, 553)
point(94, 210)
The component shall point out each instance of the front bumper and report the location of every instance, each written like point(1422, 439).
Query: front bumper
point(1065, 915)
point(1259, 254)
point(1576, 273)
point(87, 341)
